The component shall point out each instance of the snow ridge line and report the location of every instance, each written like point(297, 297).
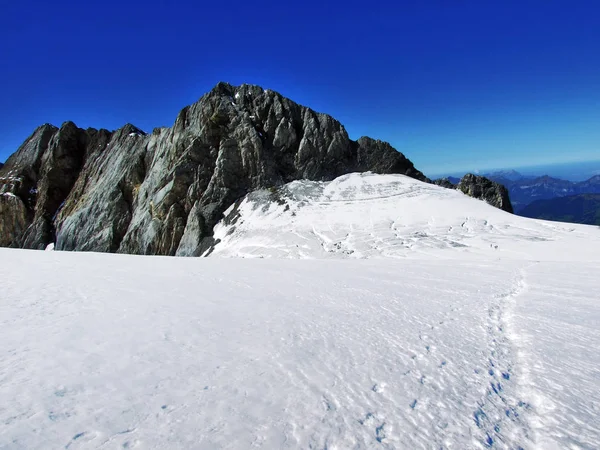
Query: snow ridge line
point(501, 413)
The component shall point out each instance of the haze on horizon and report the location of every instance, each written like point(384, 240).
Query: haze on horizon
point(453, 85)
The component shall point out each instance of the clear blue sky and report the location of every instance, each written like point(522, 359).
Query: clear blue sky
point(453, 84)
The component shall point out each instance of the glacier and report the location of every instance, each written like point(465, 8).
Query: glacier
point(373, 311)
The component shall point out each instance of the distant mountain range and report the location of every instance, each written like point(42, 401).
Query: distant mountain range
point(546, 197)
point(511, 175)
point(581, 208)
point(525, 190)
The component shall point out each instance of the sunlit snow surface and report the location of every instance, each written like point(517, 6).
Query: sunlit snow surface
point(452, 344)
point(373, 216)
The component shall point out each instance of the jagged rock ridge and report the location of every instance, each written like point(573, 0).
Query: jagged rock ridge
point(162, 193)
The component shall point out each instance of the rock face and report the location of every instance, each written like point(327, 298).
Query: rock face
point(162, 193)
point(444, 182)
point(14, 219)
point(485, 189)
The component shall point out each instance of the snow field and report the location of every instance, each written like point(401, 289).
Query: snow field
point(403, 315)
point(374, 216)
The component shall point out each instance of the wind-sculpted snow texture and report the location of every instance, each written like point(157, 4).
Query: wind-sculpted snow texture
point(114, 351)
point(161, 193)
point(482, 333)
point(555, 330)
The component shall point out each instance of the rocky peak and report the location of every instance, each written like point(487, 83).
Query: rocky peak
point(129, 130)
point(591, 182)
point(28, 156)
point(162, 193)
point(485, 189)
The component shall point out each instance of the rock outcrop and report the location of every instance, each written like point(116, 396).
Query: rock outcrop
point(444, 182)
point(162, 193)
point(485, 189)
point(14, 219)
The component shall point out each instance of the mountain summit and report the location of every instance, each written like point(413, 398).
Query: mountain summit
point(162, 193)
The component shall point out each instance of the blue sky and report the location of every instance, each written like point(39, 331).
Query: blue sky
point(453, 84)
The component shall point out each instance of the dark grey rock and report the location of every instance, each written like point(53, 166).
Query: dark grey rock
point(444, 182)
point(14, 219)
point(162, 193)
point(485, 189)
point(19, 180)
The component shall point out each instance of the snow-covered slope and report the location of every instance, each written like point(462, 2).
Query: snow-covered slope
point(367, 215)
point(457, 344)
